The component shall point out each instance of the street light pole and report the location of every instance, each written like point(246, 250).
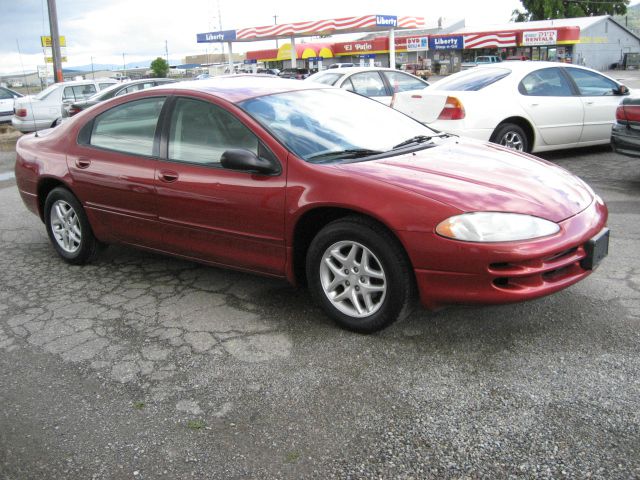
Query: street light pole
point(55, 41)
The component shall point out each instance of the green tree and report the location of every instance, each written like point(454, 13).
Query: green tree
point(547, 9)
point(160, 67)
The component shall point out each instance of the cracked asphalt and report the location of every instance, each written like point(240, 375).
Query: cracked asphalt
point(142, 366)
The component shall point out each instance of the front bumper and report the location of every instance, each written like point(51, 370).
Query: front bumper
point(457, 272)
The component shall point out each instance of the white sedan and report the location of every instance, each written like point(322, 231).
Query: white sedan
point(527, 106)
point(377, 83)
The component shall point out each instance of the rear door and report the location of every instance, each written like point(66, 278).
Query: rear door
point(550, 100)
point(599, 102)
point(113, 169)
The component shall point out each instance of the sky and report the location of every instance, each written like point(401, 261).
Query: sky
point(107, 29)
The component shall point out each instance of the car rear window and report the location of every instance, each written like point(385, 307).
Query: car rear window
point(472, 80)
point(328, 78)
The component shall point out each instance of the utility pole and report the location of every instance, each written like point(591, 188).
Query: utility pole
point(55, 42)
point(124, 66)
point(275, 22)
point(166, 51)
point(93, 74)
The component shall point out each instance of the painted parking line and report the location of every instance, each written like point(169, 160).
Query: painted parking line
point(7, 176)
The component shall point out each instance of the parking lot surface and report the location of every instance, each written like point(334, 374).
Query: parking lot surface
point(143, 366)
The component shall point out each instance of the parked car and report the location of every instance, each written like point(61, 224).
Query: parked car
point(203, 76)
point(483, 59)
point(528, 106)
point(7, 97)
point(625, 134)
point(70, 109)
point(342, 65)
point(377, 83)
point(365, 206)
point(512, 58)
point(480, 60)
point(297, 73)
point(44, 110)
point(269, 71)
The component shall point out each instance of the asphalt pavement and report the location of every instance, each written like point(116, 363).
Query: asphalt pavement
point(142, 366)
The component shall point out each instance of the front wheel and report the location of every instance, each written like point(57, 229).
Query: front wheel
point(68, 227)
point(511, 136)
point(359, 274)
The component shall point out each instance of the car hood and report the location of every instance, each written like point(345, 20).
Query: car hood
point(475, 176)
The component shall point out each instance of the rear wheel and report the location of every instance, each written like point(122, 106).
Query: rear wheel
point(359, 274)
point(511, 136)
point(68, 227)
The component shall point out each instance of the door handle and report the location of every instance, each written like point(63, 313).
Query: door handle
point(168, 176)
point(83, 162)
point(589, 103)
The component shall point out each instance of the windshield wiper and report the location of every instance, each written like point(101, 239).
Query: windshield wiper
point(419, 139)
point(349, 153)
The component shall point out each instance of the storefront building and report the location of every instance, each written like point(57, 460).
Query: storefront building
point(596, 42)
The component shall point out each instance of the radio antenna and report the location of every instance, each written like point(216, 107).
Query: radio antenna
point(24, 77)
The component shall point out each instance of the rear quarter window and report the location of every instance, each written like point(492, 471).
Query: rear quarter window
point(472, 80)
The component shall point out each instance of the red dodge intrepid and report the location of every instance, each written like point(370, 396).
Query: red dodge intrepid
point(316, 185)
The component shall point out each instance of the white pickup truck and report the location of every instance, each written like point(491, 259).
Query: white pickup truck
point(481, 60)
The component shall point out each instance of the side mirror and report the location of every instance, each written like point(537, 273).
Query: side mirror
point(244, 160)
point(621, 90)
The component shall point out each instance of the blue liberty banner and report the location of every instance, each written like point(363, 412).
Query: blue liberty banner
point(454, 42)
point(211, 37)
point(386, 21)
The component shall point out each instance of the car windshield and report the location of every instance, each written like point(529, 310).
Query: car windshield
point(332, 125)
point(47, 91)
point(471, 80)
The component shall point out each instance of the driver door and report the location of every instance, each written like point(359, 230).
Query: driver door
point(227, 217)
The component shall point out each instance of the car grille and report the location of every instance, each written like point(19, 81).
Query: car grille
point(533, 273)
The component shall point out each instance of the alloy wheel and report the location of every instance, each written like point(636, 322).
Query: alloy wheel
point(353, 279)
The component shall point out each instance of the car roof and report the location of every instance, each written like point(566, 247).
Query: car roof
point(237, 88)
point(345, 70)
point(529, 66)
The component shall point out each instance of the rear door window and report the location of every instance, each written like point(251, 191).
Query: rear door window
point(128, 128)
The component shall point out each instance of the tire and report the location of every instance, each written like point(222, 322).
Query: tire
point(511, 136)
point(68, 227)
point(377, 287)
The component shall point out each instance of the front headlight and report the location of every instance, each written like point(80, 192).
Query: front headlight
point(495, 227)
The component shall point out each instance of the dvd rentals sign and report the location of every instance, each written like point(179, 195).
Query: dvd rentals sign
point(541, 37)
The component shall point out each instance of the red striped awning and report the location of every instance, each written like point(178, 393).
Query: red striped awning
point(322, 26)
point(490, 40)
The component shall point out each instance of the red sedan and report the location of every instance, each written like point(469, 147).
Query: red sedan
point(316, 185)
